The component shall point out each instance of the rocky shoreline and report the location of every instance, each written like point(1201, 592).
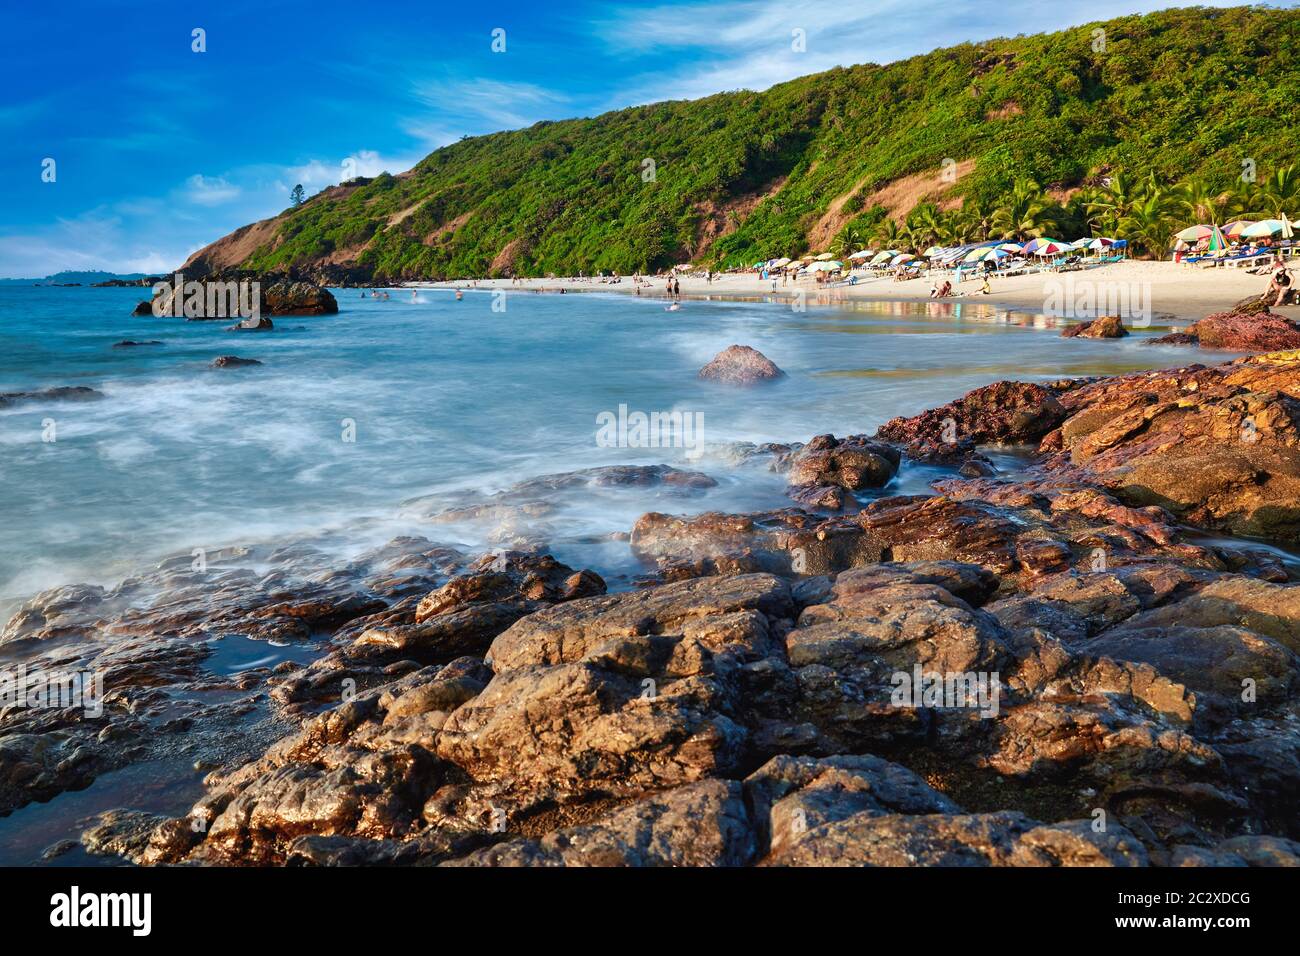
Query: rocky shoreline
point(1132, 679)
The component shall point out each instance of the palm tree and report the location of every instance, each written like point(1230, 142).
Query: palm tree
point(888, 234)
point(925, 225)
point(1244, 201)
point(1027, 215)
point(1280, 192)
point(1200, 201)
point(1113, 202)
point(1151, 221)
point(848, 241)
point(973, 222)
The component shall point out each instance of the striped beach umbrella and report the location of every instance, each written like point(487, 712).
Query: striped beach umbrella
point(986, 253)
point(1045, 247)
point(1268, 227)
point(1218, 243)
point(1194, 233)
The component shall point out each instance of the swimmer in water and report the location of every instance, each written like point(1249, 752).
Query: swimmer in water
point(415, 295)
point(459, 295)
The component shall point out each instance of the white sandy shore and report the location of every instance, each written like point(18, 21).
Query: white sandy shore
point(1181, 293)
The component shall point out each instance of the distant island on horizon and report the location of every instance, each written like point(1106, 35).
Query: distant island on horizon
point(81, 277)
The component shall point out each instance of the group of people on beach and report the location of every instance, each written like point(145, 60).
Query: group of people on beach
point(943, 290)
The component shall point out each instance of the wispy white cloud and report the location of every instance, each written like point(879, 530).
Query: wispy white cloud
point(751, 44)
point(98, 239)
point(471, 106)
point(210, 191)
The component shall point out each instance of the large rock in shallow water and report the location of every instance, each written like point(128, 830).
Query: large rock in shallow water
point(1106, 327)
point(741, 365)
point(287, 297)
point(279, 296)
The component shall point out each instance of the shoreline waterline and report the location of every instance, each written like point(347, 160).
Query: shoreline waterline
point(1182, 293)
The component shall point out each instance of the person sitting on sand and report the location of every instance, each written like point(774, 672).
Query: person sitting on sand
point(1280, 287)
point(985, 288)
point(945, 290)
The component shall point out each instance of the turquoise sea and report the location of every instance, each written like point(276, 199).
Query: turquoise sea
point(443, 399)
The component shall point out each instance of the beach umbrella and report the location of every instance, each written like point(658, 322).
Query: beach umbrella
point(1263, 229)
point(778, 263)
point(1045, 247)
point(1193, 233)
point(827, 265)
point(1268, 227)
point(985, 252)
point(862, 254)
point(883, 256)
point(1033, 245)
point(934, 251)
point(1233, 229)
point(1101, 242)
point(824, 257)
point(1218, 242)
point(1009, 246)
point(898, 260)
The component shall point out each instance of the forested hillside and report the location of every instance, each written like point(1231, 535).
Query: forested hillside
point(1137, 130)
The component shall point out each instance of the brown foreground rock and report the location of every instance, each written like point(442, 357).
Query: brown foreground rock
point(1054, 670)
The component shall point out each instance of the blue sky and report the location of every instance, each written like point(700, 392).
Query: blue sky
point(160, 150)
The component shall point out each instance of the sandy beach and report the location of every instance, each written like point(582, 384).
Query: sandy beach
point(1175, 293)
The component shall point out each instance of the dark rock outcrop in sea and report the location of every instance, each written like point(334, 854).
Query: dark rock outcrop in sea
point(1059, 669)
point(63, 393)
point(233, 361)
point(279, 295)
point(741, 365)
point(127, 344)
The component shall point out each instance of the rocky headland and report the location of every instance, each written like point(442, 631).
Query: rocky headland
point(1090, 662)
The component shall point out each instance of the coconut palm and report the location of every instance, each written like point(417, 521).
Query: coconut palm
point(1200, 202)
point(925, 225)
point(1280, 192)
point(849, 241)
point(1112, 202)
point(1151, 221)
point(888, 234)
point(1027, 214)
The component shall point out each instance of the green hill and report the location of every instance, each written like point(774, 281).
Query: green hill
point(1136, 131)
